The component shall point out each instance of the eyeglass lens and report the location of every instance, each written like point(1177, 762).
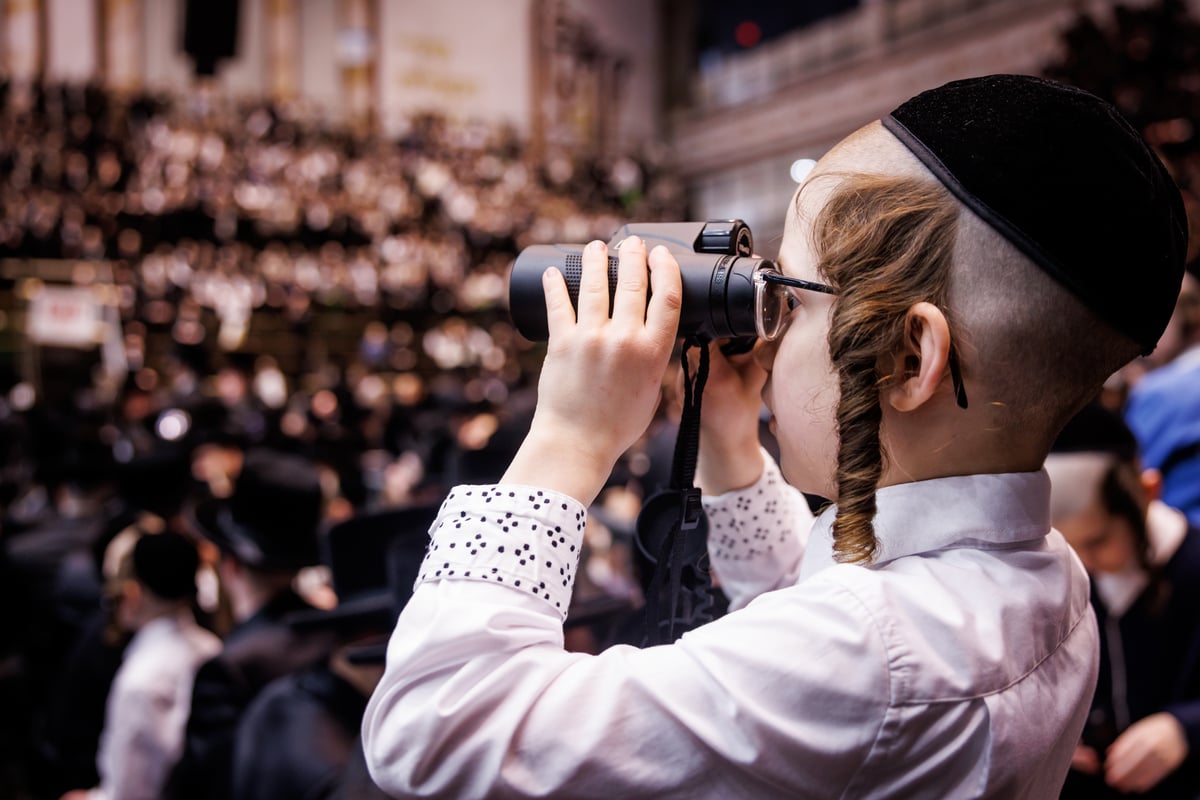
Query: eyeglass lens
point(772, 308)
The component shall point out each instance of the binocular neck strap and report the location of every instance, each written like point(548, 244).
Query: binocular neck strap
point(681, 531)
point(687, 445)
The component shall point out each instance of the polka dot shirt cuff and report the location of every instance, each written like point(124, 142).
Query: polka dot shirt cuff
point(750, 523)
point(517, 536)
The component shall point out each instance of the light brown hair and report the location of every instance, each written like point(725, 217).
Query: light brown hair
point(885, 243)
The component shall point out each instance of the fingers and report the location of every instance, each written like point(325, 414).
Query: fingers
point(560, 315)
point(593, 285)
point(629, 300)
point(666, 298)
point(630, 310)
point(1086, 760)
point(1148, 751)
point(1125, 774)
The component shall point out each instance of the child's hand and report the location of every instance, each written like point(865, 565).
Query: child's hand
point(1145, 753)
point(600, 382)
point(1086, 760)
point(729, 449)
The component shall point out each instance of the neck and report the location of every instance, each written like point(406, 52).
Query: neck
point(155, 609)
point(248, 596)
point(950, 441)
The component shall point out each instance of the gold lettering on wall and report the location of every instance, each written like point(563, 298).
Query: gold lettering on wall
point(427, 66)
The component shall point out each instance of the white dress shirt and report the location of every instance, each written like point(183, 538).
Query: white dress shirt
point(148, 707)
point(961, 663)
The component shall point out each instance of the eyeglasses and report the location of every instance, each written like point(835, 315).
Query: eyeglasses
point(773, 301)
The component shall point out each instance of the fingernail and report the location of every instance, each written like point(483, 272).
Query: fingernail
point(596, 246)
point(632, 241)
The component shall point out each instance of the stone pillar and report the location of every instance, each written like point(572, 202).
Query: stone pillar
point(122, 56)
point(23, 40)
point(283, 37)
point(356, 60)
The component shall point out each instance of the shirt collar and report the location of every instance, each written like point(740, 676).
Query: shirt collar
point(960, 511)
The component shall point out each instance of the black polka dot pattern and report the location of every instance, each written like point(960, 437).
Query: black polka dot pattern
point(521, 537)
point(755, 522)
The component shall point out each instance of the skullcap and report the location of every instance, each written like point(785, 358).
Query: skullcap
point(1060, 174)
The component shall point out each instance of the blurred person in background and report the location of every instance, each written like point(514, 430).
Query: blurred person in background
point(1163, 408)
point(1143, 730)
point(267, 532)
point(150, 696)
point(298, 736)
point(152, 489)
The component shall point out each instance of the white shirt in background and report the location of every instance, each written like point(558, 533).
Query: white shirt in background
point(148, 707)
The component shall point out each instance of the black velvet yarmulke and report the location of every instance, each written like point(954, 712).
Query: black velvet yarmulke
point(1060, 174)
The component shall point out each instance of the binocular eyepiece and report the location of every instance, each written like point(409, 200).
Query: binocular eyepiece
point(715, 261)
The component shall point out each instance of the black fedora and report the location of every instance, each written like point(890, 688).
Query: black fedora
point(272, 520)
point(374, 559)
point(158, 480)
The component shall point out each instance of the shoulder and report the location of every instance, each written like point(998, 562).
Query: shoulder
point(1164, 391)
point(266, 652)
point(145, 681)
point(1184, 567)
point(941, 616)
point(834, 617)
point(277, 705)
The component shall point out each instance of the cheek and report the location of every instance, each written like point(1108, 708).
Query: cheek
point(1125, 547)
point(806, 398)
point(1112, 557)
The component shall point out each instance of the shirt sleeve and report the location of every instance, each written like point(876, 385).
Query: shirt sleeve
point(138, 745)
point(1188, 714)
point(757, 535)
point(479, 698)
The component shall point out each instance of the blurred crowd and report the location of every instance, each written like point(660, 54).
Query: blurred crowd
point(319, 286)
point(270, 285)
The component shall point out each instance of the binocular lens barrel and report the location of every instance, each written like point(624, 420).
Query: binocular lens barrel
point(718, 290)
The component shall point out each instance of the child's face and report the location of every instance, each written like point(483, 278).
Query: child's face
point(1105, 542)
point(802, 389)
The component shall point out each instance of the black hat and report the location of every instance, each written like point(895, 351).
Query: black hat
point(166, 563)
point(272, 520)
point(1060, 174)
point(1095, 429)
point(157, 480)
point(375, 559)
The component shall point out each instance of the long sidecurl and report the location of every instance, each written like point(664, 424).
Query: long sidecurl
point(885, 243)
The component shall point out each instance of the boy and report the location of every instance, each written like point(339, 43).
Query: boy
point(1144, 561)
point(150, 695)
point(930, 635)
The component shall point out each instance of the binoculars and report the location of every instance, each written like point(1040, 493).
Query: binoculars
point(715, 261)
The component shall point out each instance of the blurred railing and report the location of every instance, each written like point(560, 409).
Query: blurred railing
point(872, 30)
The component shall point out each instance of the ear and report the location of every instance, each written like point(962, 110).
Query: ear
point(920, 364)
point(1152, 481)
point(131, 596)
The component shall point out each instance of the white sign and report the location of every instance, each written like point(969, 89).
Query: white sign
point(64, 316)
